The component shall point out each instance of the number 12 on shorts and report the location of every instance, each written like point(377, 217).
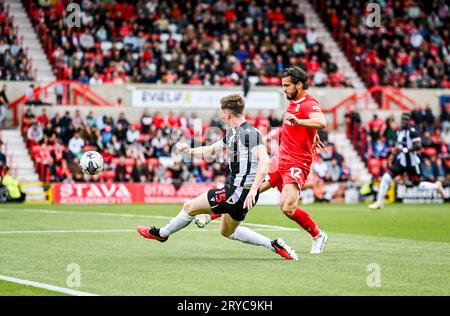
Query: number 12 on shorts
point(295, 172)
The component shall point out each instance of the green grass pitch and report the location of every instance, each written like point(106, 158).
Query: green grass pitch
point(409, 243)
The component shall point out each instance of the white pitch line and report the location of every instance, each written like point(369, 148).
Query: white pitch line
point(46, 211)
point(46, 286)
point(66, 231)
point(96, 231)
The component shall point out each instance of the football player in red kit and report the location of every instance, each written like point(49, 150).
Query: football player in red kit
point(290, 169)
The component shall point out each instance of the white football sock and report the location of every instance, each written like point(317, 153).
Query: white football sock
point(428, 185)
point(384, 186)
point(249, 236)
point(178, 222)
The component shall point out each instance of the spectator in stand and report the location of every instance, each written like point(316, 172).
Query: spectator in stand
point(50, 171)
point(176, 172)
point(107, 157)
point(146, 122)
point(429, 119)
point(95, 80)
point(77, 120)
point(444, 118)
point(428, 170)
point(158, 143)
point(35, 133)
point(334, 171)
point(59, 92)
point(320, 168)
point(13, 186)
point(116, 147)
point(445, 135)
point(43, 118)
point(121, 174)
point(216, 122)
point(140, 172)
point(274, 120)
point(123, 120)
point(4, 102)
point(68, 179)
point(320, 78)
point(390, 133)
point(376, 126)
point(380, 149)
point(137, 151)
point(83, 77)
point(439, 170)
point(120, 132)
point(132, 134)
point(76, 145)
point(426, 140)
point(66, 121)
point(90, 119)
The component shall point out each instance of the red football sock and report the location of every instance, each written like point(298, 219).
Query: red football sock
point(214, 216)
point(302, 218)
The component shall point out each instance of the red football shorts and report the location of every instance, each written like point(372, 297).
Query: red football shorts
point(280, 175)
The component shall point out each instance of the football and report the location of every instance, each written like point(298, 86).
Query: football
point(92, 163)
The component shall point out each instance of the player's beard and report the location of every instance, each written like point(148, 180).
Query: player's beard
point(292, 96)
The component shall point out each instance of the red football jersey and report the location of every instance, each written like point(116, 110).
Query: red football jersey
point(297, 141)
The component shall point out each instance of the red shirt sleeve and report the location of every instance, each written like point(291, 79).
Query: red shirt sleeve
point(311, 107)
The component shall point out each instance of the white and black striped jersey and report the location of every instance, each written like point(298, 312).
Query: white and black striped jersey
point(241, 143)
point(405, 139)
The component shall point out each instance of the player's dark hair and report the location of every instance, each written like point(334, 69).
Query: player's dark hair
point(297, 75)
point(233, 103)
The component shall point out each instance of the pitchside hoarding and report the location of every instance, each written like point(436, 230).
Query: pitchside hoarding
point(416, 195)
point(203, 99)
point(124, 193)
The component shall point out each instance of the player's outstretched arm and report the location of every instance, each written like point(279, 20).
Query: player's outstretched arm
point(316, 120)
point(261, 172)
point(200, 152)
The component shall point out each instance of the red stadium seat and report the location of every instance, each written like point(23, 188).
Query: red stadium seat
point(429, 151)
point(88, 148)
point(153, 161)
point(375, 170)
point(129, 162)
point(374, 163)
point(143, 138)
point(137, 125)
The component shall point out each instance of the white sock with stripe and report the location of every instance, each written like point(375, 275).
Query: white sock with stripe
point(384, 186)
point(178, 222)
point(249, 236)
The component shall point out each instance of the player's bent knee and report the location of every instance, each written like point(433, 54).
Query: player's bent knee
point(287, 208)
point(188, 207)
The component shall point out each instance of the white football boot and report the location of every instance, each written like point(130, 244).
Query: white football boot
point(376, 206)
point(202, 220)
point(318, 244)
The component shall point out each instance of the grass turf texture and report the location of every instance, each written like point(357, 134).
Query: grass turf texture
point(410, 243)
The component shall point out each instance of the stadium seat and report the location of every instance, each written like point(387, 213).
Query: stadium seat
point(374, 163)
point(429, 151)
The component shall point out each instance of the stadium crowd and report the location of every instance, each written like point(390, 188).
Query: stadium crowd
point(14, 64)
point(375, 139)
point(142, 151)
point(409, 48)
point(191, 42)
